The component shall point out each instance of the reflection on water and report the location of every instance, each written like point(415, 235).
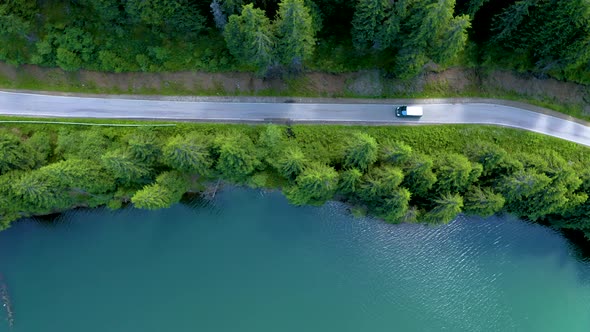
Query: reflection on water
point(248, 261)
point(579, 244)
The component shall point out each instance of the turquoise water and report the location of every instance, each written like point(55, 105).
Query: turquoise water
point(248, 261)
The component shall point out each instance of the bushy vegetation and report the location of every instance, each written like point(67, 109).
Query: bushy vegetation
point(400, 174)
point(403, 37)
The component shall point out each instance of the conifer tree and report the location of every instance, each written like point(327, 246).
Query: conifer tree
point(453, 173)
point(362, 151)
point(271, 144)
point(237, 157)
point(380, 183)
point(368, 19)
point(350, 181)
point(167, 190)
point(483, 202)
point(395, 206)
point(418, 175)
point(446, 208)
point(314, 186)
point(249, 37)
point(144, 146)
point(152, 197)
point(123, 167)
point(188, 154)
point(291, 162)
point(295, 32)
point(14, 154)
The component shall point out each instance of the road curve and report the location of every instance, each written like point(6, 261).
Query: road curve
point(37, 105)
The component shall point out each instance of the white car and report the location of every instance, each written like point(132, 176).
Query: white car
point(408, 111)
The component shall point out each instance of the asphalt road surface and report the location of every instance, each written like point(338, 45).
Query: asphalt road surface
point(26, 104)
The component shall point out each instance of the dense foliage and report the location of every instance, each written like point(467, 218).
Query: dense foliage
point(403, 37)
point(399, 174)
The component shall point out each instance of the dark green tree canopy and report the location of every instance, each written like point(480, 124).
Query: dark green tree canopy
point(362, 151)
point(81, 144)
point(250, 38)
point(483, 202)
point(396, 152)
point(395, 207)
point(446, 208)
point(315, 185)
point(367, 23)
point(295, 32)
point(453, 173)
point(59, 185)
point(237, 157)
point(402, 37)
point(350, 181)
point(14, 29)
point(416, 30)
point(291, 162)
point(380, 183)
point(418, 175)
point(167, 190)
point(551, 34)
point(159, 14)
point(144, 147)
point(124, 167)
point(272, 144)
point(14, 154)
point(188, 154)
point(495, 161)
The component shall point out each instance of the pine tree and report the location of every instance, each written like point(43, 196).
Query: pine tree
point(453, 173)
point(350, 181)
point(314, 186)
point(14, 31)
point(428, 31)
point(367, 22)
point(271, 143)
point(291, 162)
point(14, 154)
point(395, 206)
point(418, 175)
point(446, 208)
point(483, 202)
point(361, 152)
point(123, 167)
point(249, 37)
point(152, 197)
point(237, 157)
point(188, 154)
point(295, 32)
point(380, 183)
point(167, 190)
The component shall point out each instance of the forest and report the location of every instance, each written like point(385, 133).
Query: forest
point(549, 38)
point(426, 174)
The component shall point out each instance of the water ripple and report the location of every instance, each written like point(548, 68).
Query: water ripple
point(247, 261)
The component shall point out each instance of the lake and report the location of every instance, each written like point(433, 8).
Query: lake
point(249, 261)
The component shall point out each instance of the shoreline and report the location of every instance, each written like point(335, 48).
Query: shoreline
point(576, 238)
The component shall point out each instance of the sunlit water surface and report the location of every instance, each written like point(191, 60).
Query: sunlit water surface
point(248, 261)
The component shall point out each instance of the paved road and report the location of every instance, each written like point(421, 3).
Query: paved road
point(26, 104)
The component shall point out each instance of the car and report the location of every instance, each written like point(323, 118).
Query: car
point(408, 111)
